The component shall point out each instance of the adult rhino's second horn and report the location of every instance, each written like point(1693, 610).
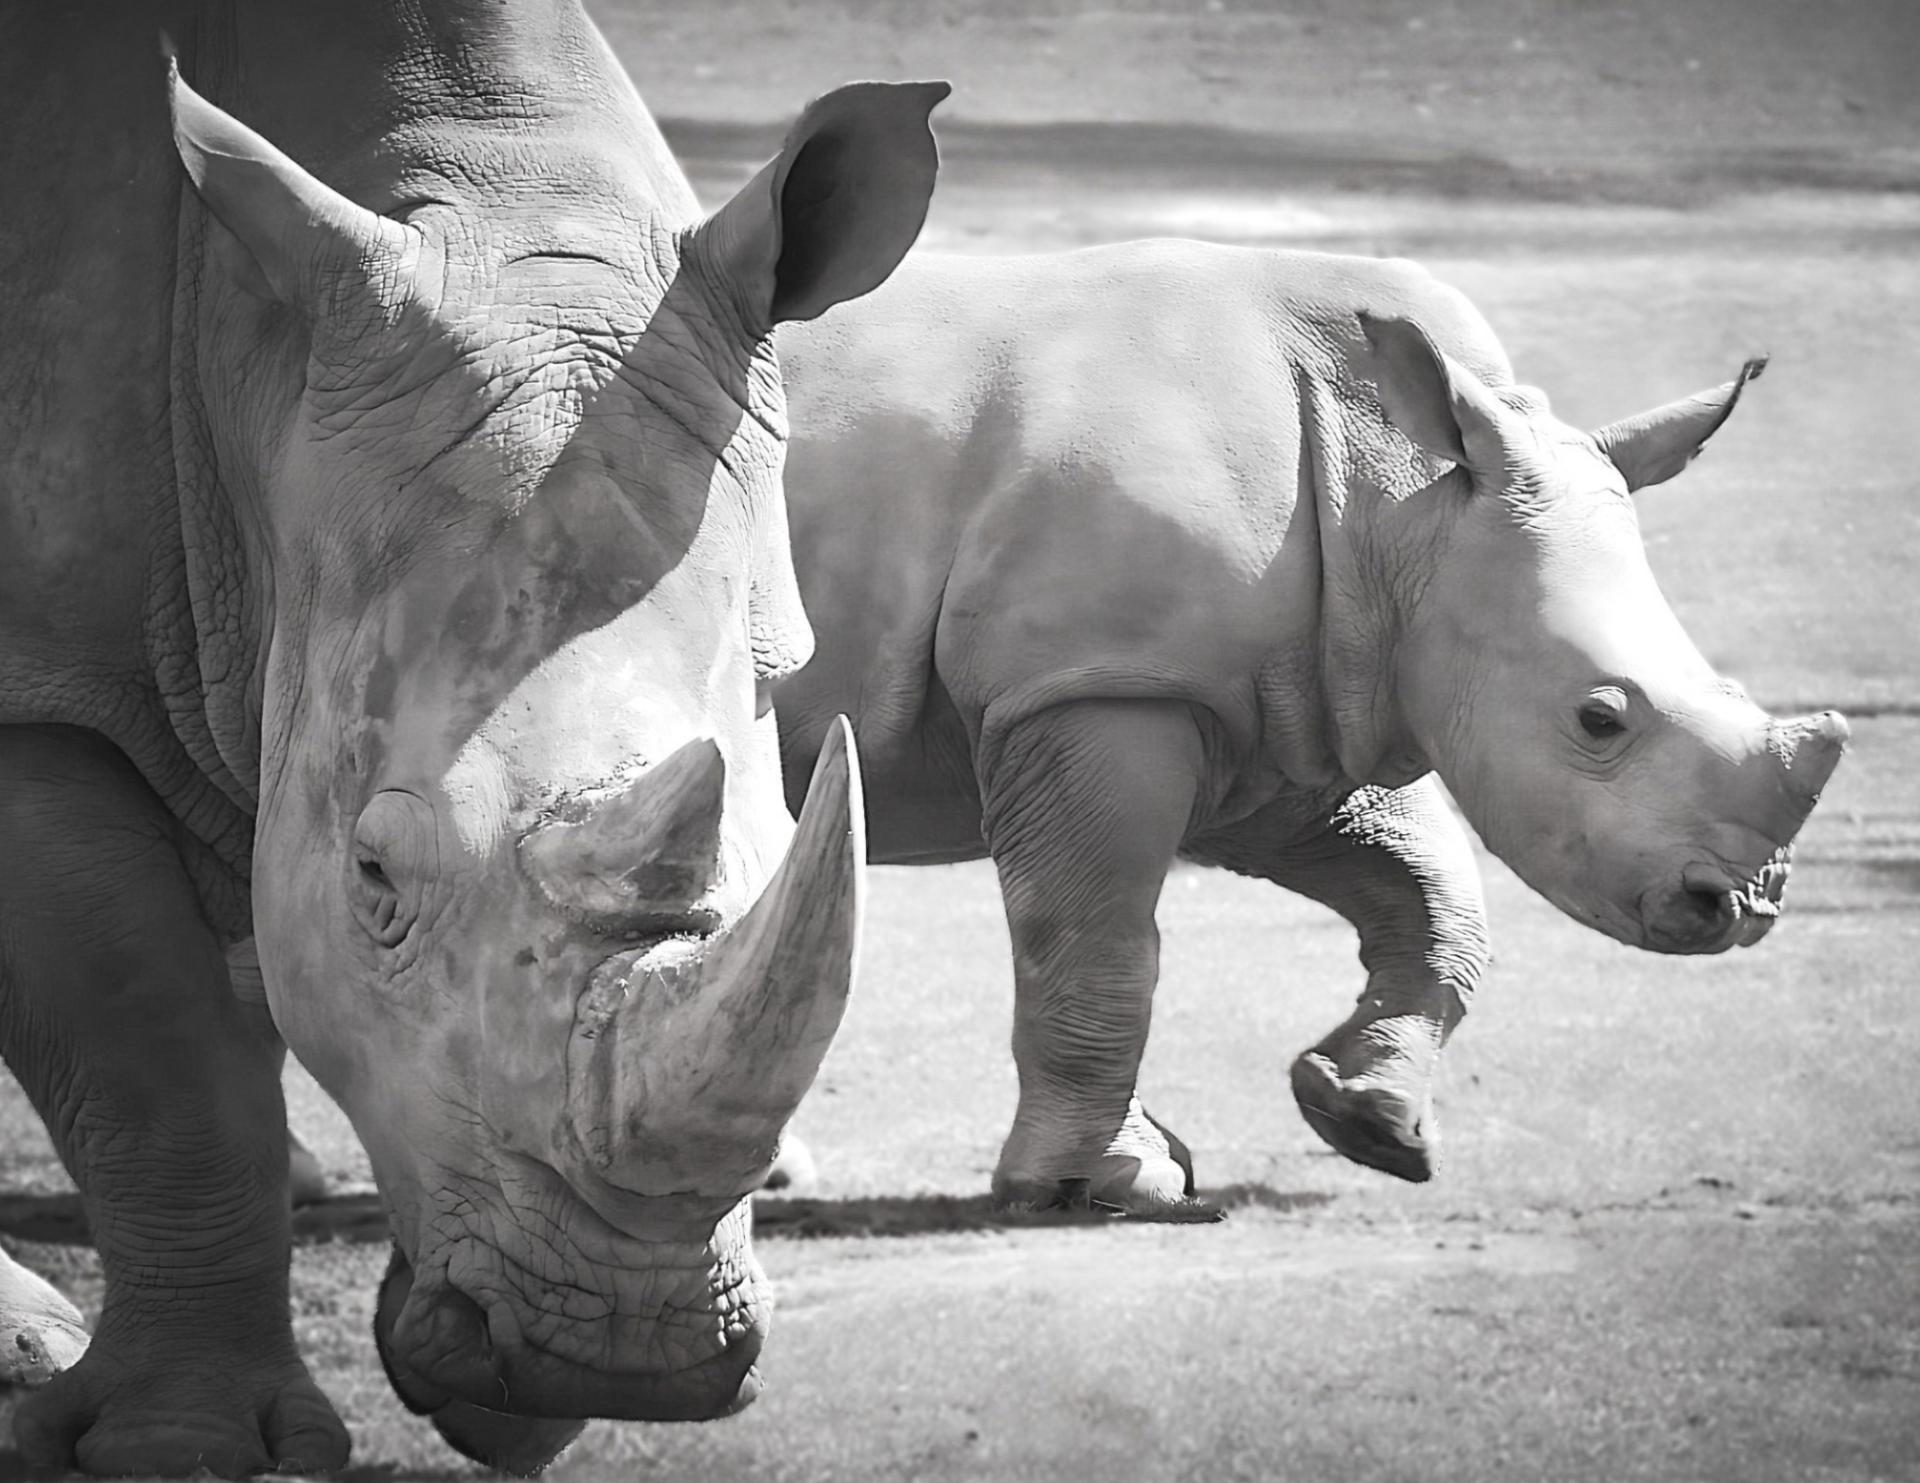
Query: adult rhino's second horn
point(689, 1058)
point(642, 855)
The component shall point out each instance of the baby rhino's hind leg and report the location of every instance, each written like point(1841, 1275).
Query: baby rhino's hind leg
point(1084, 807)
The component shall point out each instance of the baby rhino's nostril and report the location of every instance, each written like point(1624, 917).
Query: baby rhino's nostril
point(1709, 906)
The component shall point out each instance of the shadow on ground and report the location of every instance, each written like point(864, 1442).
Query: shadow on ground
point(15, 1469)
point(61, 1220)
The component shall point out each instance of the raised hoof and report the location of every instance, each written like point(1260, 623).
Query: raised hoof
point(1371, 1125)
point(220, 1415)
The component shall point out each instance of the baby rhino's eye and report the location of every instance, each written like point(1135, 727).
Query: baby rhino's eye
point(1603, 714)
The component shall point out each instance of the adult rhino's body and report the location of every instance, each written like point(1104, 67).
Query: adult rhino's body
point(391, 551)
point(1174, 549)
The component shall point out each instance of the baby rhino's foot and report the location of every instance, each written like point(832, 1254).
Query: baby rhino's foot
point(1368, 1094)
point(1150, 1189)
point(1146, 1173)
point(1122, 1187)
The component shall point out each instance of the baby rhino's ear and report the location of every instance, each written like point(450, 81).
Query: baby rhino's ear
point(1442, 406)
point(832, 215)
point(1654, 446)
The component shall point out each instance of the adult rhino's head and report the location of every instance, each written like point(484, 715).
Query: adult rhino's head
point(506, 460)
point(1551, 686)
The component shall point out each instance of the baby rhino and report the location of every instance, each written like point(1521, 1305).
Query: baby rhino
point(1169, 549)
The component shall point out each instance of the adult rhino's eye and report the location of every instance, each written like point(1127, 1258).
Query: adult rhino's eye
point(377, 903)
point(393, 847)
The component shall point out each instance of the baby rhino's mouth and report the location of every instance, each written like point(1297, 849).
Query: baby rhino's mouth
point(1759, 896)
point(1741, 911)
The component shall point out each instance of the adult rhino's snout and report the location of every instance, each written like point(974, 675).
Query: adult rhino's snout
point(689, 1056)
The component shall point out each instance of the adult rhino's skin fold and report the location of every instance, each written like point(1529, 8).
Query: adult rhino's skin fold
point(393, 558)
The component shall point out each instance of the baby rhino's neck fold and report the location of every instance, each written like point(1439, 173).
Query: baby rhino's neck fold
point(1382, 512)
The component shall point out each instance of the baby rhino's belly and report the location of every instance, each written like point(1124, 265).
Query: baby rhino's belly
point(923, 800)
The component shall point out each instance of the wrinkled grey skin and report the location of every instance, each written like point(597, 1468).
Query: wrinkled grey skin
point(392, 563)
point(1168, 549)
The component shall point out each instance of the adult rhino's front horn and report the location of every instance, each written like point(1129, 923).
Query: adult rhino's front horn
point(689, 1056)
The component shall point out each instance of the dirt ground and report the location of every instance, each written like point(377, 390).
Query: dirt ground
point(1675, 1236)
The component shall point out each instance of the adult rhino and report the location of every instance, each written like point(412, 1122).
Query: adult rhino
point(1173, 549)
point(392, 561)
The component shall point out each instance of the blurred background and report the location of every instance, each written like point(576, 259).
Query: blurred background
point(1638, 194)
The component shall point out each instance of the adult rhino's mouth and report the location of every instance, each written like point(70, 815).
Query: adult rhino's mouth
point(1714, 910)
point(522, 1445)
point(506, 1362)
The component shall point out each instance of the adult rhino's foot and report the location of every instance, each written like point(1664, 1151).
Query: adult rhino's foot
point(124, 1409)
point(41, 1333)
point(1367, 1090)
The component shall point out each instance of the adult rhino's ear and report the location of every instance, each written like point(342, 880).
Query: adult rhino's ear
point(1654, 446)
point(1440, 404)
point(300, 237)
point(832, 215)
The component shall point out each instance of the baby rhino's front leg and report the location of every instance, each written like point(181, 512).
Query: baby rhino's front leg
point(1397, 864)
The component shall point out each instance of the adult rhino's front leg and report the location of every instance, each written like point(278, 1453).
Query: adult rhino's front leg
point(1397, 864)
point(306, 1180)
point(1084, 808)
point(162, 1093)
